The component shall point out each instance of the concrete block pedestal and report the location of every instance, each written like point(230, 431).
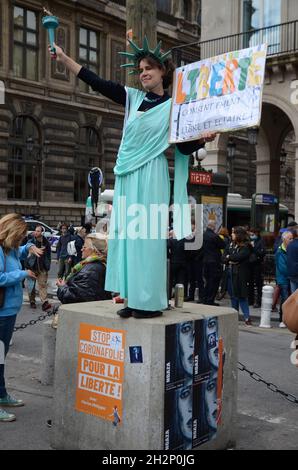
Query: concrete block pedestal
point(143, 383)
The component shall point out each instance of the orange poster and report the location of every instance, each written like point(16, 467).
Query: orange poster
point(100, 372)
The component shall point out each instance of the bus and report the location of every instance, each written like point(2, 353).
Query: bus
point(239, 212)
point(238, 209)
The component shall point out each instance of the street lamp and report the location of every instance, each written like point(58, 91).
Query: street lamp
point(252, 135)
point(231, 147)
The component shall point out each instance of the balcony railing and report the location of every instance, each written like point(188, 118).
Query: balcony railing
point(281, 39)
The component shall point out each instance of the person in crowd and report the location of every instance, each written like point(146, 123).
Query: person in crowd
point(40, 265)
point(282, 274)
point(194, 264)
point(212, 246)
point(237, 259)
point(13, 230)
point(256, 268)
point(86, 281)
point(292, 251)
point(71, 228)
point(63, 258)
point(79, 238)
point(291, 227)
point(223, 286)
point(142, 177)
point(178, 262)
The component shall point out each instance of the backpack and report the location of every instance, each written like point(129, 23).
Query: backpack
point(71, 248)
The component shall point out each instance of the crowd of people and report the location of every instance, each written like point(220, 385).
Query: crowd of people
point(234, 264)
point(27, 259)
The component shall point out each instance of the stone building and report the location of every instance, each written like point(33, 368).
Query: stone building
point(54, 129)
point(272, 164)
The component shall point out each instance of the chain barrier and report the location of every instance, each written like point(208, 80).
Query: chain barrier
point(269, 385)
point(22, 326)
point(242, 367)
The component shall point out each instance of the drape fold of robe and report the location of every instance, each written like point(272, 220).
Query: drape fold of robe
point(137, 246)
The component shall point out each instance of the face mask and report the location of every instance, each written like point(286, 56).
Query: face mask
point(253, 237)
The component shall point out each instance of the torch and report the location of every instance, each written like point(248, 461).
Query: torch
point(50, 22)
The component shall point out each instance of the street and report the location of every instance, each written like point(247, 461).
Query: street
point(265, 419)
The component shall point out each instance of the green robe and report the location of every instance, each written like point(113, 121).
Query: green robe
point(137, 247)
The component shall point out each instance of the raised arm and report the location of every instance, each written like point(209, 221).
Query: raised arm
point(109, 89)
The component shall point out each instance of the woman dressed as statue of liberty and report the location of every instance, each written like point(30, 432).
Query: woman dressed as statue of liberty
point(136, 265)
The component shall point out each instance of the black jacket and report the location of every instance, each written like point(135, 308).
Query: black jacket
point(43, 263)
point(79, 242)
point(212, 246)
point(62, 245)
point(85, 286)
point(259, 250)
point(238, 261)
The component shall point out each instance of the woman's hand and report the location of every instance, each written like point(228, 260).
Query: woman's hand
point(60, 283)
point(33, 250)
point(59, 55)
point(208, 137)
point(31, 274)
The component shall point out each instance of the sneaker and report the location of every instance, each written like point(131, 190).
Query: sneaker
point(146, 313)
point(11, 401)
point(46, 306)
point(33, 305)
point(282, 325)
point(248, 322)
point(4, 416)
point(125, 312)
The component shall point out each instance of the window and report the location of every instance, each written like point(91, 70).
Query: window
point(187, 6)
point(258, 14)
point(25, 40)
point(164, 6)
point(88, 54)
point(23, 171)
point(87, 156)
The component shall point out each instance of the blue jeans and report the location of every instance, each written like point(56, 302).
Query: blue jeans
point(6, 331)
point(294, 285)
point(237, 301)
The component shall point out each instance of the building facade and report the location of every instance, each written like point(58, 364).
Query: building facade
point(272, 164)
point(54, 128)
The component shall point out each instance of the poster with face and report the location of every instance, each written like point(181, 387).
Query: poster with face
point(193, 383)
point(179, 354)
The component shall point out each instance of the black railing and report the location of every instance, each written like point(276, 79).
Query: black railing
point(281, 39)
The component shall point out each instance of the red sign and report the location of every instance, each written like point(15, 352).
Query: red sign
point(200, 177)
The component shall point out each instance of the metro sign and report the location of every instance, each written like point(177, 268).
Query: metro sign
point(200, 177)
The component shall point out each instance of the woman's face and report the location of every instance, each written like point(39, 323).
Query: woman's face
point(87, 249)
point(185, 411)
point(150, 76)
point(212, 340)
point(211, 401)
point(186, 346)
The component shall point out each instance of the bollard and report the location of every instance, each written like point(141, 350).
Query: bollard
point(267, 296)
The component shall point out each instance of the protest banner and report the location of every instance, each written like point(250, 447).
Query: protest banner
point(219, 94)
point(100, 372)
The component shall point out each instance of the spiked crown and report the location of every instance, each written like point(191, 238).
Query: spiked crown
point(139, 54)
